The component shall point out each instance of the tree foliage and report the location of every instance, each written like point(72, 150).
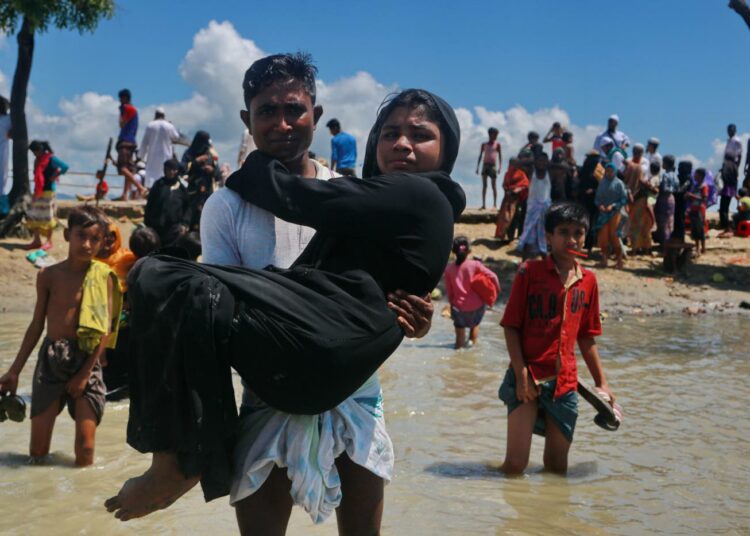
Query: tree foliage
point(81, 15)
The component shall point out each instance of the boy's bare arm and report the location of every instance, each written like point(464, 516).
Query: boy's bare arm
point(77, 384)
point(526, 390)
point(591, 356)
point(9, 381)
point(479, 160)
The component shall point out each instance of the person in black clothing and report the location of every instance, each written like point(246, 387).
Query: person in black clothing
point(168, 203)
point(200, 161)
point(684, 175)
point(587, 186)
point(318, 330)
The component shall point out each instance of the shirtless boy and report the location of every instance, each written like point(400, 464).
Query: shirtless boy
point(65, 373)
point(491, 164)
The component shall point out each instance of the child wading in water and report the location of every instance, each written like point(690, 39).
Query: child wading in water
point(553, 303)
point(76, 298)
point(467, 305)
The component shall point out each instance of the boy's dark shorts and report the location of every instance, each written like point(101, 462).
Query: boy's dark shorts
point(57, 363)
point(125, 154)
point(564, 410)
point(489, 170)
point(467, 319)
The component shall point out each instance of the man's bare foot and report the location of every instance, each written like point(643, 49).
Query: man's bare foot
point(620, 265)
point(161, 485)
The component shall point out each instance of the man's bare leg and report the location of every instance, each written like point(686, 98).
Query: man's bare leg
point(41, 432)
point(362, 499)
point(161, 485)
point(266, 511)
point(85, 432)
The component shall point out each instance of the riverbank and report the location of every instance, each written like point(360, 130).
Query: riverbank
point(717, 282)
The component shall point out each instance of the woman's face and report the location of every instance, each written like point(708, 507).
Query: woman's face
point(409, 141)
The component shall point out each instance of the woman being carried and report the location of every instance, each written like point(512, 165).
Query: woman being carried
point(318, 330)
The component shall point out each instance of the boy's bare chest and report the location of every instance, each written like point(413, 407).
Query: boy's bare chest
point(64, 304)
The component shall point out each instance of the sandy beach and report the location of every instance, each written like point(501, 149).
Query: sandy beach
point(717, 282)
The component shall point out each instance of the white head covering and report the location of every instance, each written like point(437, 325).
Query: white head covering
point(615, 117)
point(654, 141)
point(606, 140)
point(160, 110)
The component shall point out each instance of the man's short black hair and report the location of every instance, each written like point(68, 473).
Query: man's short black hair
point(732, 126)
point(279, 68)
point(172, 163)
point(541, 155)
point(654, 167)
point(124, 93)
point(85, 216)
point(565, 212)
point(668, 162)
point(492, 130)
point(334, 123)
point(743, 192)
point(143, 241)
point(532, 134)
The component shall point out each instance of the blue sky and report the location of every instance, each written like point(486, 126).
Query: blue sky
point(674, 69)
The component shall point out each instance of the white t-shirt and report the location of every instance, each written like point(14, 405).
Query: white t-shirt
point(236, 233)
point(540, 190)
point(4, 150)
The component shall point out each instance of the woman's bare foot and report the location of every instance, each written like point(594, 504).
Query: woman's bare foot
point(161, 485)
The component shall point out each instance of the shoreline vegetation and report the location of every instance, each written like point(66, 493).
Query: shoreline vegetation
point(716, 283)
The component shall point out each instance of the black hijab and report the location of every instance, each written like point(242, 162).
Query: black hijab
point(447, 122)
point(200, 145)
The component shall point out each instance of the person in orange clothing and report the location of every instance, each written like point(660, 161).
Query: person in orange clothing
point(516, 187)
point(120, 259)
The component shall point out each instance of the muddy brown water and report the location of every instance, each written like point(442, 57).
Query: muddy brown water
point(680, 464)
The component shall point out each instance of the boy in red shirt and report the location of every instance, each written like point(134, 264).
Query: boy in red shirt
point(553, 303)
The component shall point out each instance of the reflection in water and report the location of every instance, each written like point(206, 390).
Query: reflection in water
point(678, 464)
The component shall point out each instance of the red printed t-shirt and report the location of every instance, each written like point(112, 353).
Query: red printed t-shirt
point(552, 318)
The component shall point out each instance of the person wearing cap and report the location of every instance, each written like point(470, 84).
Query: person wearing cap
point(618, 137)
point(156, 146)
point(652, 151)
point(613, 153)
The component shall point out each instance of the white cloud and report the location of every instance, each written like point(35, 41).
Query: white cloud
point(213, 68)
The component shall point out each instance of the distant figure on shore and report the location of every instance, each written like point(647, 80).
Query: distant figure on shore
point(343, 149)
point(168, 203)
point(697, 198)
point(126, 146)
point(462, 279)
point(611, 196)
point(5, 135)
point(41, 218)
point(532, 144)
point(491, 158)
point(79, 300)
point(555, 136)
point(730, 172)
point(652, 150)
point(516, 190)
point(553, 303)
point(618, 137)
point(157, 146)
point(201, 162)
point(664, 209)
point(533, 243)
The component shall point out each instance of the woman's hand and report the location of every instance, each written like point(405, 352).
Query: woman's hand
point(414, 313)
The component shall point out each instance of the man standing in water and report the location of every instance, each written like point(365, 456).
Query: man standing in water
point(281, 117)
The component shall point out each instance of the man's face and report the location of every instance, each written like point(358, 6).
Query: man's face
point(282, 120)
point(541, 164)
point(611, 125)
point(637, 154)
point(651, 148)
point(731, 130)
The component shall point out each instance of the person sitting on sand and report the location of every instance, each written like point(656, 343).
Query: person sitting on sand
point(41, 217)
point(743, 207)
point(318, 330)
point(553, 303)
point(467, 305)
point(79, 300)
point(611, 196)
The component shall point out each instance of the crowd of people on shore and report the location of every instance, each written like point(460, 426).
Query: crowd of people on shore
point(634, 196)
